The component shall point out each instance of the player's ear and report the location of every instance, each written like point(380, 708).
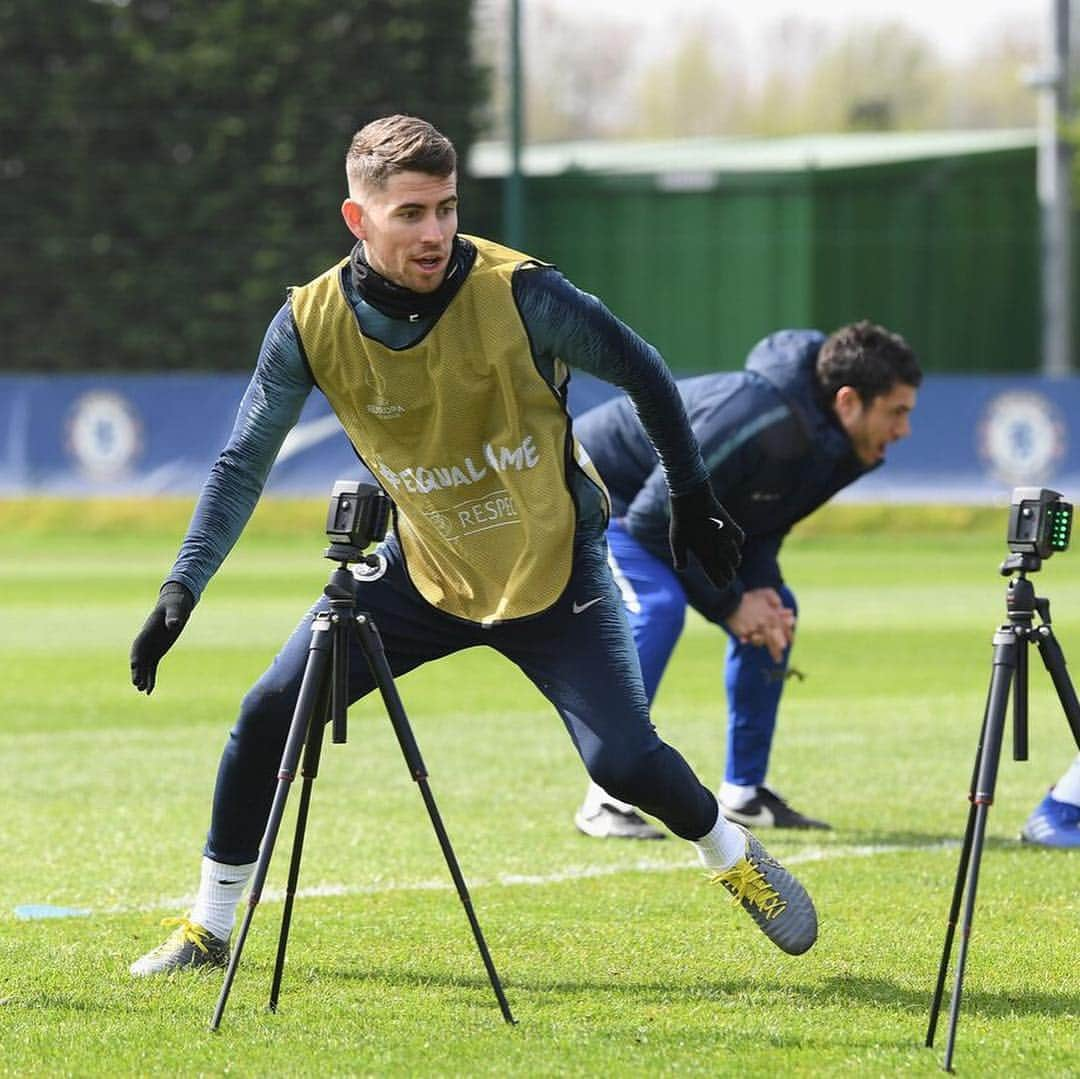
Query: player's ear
point(353, 213)
point(847, 404)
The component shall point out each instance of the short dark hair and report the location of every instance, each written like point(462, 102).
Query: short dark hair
point(868, 358)
point(395, 144)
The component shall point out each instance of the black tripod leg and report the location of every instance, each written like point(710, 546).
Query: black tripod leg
point(309, 771)
point(957, 896)
point(311, 688)
point(978, 831)
point(384, 679)
point(1006, 644)
point(1004, 663)
point(1020, 706)
point(1054, 660)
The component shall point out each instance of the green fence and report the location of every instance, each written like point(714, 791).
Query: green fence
point(943, 249)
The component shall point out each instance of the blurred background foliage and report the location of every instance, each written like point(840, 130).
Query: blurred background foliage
point(167, 167)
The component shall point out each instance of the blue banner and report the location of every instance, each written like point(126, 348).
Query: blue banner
point(973, 439)
point(976, 438)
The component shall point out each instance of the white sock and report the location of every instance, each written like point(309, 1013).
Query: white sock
point(722, 847)
point(734, 796)
point(1067, 788)
point(220, 890)
point(596, 796)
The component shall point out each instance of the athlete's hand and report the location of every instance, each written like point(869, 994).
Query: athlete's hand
point(701, 526)
point(159, 633)
point(761, 619)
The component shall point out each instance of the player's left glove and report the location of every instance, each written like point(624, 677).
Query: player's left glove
point(159, 633)
point(700, 525)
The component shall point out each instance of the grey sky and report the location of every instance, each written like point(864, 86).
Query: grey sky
point(954, 25)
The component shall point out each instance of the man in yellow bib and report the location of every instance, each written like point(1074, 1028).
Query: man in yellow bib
point(445, 357)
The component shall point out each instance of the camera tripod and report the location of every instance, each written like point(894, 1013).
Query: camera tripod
point(323, 698)
point(1010, 668)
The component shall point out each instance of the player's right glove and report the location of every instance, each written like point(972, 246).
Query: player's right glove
point(700, 525)
point(159, 633)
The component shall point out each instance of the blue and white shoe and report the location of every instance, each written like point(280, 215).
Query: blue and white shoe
point(1053, 824)
point(610, 822)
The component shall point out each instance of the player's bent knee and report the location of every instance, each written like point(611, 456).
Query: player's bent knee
point(266, 710)
point(631, 779)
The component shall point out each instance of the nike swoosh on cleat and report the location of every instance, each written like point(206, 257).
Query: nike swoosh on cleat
point(577, 608)
point(716, 521)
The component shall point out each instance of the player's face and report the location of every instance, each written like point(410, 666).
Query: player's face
point(872, 428)
point(407, 226)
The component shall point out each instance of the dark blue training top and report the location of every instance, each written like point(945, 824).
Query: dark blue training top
point(562, 323)
point(774, 451)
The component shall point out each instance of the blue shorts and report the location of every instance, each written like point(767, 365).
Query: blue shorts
point(655, 602)
point(580, 654)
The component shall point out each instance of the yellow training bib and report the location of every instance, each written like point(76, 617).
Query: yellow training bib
point(464, 433)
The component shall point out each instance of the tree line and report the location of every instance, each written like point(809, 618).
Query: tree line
point(168, 167)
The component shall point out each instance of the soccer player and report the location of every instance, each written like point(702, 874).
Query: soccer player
point(445, 358)
point(1055, 821)
point(808, 415)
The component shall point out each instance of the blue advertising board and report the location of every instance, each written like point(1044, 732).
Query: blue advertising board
point(973, 440)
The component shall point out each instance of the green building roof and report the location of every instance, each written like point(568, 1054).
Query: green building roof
point(694, 161)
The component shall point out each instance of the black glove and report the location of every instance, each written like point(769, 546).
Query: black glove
point(159, 633)
point(700, 525)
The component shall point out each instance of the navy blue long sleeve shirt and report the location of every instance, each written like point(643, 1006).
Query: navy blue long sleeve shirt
point(774, 451)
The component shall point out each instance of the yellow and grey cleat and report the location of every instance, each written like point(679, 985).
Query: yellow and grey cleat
point(776, 901)
point(188, 947)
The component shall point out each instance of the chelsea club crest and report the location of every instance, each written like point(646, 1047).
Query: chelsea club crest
point(1022, 437)
point(104, 435)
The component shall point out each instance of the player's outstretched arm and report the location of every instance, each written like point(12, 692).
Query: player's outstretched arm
point(269, 409)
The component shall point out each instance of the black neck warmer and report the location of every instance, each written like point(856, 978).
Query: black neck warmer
point(396, 301)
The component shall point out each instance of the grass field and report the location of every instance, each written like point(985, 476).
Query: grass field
point(617, 958)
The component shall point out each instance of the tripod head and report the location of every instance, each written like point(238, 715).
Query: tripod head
point(1021, 603)
point(1020, 563)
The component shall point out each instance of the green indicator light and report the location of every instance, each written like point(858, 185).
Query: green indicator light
point(1060, 524)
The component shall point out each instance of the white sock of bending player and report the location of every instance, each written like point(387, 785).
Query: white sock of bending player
point(736, 797)
point(596, 796)
point(1067, 788)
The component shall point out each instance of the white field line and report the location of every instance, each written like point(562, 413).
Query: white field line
point(514, 880)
